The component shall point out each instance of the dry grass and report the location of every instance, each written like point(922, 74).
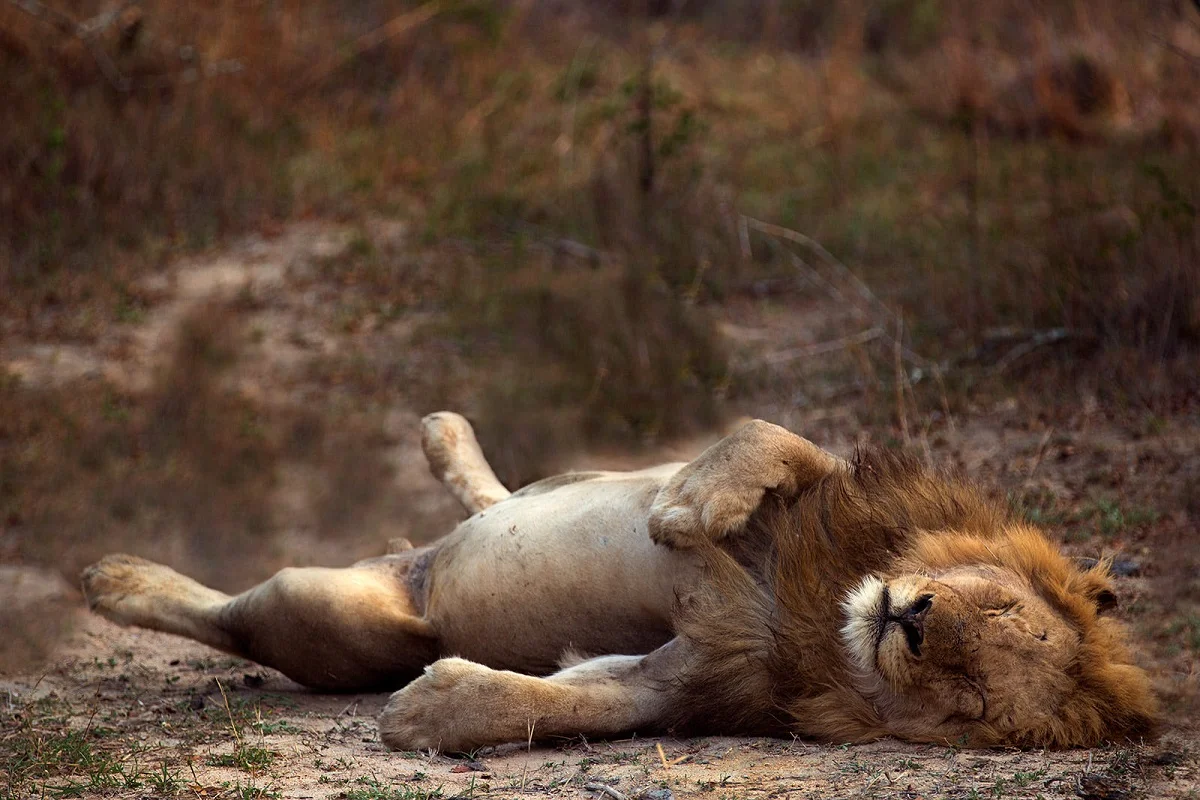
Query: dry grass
point(573, 181)
point(888, 134)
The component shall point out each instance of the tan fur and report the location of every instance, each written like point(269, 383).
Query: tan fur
point(772, 588)
point(455, 459)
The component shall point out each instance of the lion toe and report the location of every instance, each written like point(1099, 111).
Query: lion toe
point(673, 525)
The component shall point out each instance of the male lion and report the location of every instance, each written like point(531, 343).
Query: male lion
point(768, 587)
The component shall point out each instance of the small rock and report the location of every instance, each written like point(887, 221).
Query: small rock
point(1101, 787)
point(656, 794)
point(1168, 758)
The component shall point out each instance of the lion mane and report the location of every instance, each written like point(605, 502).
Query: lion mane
point(764, 624)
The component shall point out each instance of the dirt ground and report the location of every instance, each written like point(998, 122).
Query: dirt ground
point(112, 712)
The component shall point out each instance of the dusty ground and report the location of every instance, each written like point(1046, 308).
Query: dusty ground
point(111, 712)
point(162, 716)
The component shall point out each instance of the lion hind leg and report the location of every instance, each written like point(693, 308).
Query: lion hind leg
point(133, 591)
point(336, 629)
point(456, 460)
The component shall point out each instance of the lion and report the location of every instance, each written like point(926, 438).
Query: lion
point(767, 587)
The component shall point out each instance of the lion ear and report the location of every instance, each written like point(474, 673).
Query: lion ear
point(1098, 590)
point(1105, 600)
point(1096, 586)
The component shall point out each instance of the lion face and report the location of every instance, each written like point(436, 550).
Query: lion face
point(971, 655)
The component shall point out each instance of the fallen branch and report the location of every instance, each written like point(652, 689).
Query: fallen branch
point(103, 20)
point(604, 788)
point(577, 250)
point(191, 75)
point(1025, 348)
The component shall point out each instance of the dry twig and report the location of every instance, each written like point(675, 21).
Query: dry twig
point(901, 412)
point(798, 353)
point(237, 736)
point(867, 302)
point(1039, 339)
point(604, 788)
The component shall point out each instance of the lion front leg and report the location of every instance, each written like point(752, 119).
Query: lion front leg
point(716, 493)
point(458, 705)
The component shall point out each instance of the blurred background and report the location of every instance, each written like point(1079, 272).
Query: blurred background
point(245, 245)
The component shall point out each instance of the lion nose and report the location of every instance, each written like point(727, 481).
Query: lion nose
point(912, 622)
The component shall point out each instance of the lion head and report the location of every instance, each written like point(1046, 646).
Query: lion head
point(997, 640)
point(891, 601)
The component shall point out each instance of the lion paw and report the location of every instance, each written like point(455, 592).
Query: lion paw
point(716, 494)
point(115, 586)
point(133, 591)
point(700, 508)
point(429, 713)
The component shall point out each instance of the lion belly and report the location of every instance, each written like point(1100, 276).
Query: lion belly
point(565, 564)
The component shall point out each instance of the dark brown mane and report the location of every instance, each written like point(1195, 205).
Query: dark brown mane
point(763, 629)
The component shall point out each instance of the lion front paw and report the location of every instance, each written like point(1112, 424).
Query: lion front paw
point(700, 509)
point(441, 710)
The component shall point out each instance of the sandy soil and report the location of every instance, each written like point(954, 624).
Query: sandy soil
point(175, 703)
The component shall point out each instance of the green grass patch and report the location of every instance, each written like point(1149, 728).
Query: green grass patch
point(244, 757)
point(371, 788)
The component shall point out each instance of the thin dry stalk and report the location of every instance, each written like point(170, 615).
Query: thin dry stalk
point(943, 395)
point(237, 736)
point(975, 263)
point(834, 345)
point(1041, 453)
point(901, 411)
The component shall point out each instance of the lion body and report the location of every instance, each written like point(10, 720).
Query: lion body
point(566, 563)
point(765, 587)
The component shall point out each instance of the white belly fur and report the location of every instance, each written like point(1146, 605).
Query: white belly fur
point(534, 575)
